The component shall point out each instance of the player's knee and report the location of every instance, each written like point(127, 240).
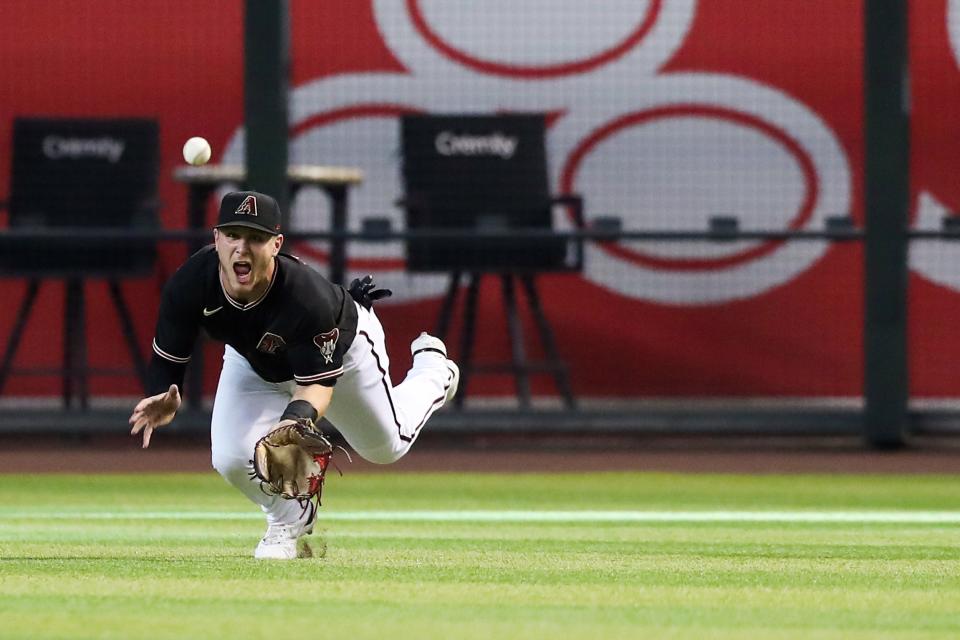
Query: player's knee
point(382, 455)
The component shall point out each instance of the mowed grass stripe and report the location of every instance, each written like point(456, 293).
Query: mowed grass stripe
point(509, 516)
point(172, 559)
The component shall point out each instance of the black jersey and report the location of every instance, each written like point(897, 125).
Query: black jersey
point(298, 330)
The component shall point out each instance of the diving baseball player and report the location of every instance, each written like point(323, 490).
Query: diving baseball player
point(297, 348)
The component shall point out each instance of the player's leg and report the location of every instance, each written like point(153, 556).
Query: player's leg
point(245, 409)
point(378, 420)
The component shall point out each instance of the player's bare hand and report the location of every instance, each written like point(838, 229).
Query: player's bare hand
point(153, 412)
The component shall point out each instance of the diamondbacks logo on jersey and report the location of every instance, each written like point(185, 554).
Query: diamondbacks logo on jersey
point(271, 343)
point(247, 208)
point(327, 343)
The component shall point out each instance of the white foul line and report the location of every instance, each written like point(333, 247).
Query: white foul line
point(855, 517)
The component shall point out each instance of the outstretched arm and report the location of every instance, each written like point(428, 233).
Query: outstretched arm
point(308, 404)
point(317, 395)
point(154, 412)
point(173, 342)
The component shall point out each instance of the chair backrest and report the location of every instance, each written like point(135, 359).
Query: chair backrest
point(475, 173)
point(83, 173)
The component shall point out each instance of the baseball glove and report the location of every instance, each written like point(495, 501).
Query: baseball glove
point(291, 461)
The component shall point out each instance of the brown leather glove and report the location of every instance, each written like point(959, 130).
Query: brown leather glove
point(291, 461)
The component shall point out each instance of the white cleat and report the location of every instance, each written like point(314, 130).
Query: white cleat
point(284, 542)
point(426, 343)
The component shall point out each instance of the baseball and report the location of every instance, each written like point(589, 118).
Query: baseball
point(196, 151)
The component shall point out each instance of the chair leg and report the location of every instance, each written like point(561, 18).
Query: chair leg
point(80, 372)
point(549, 343)
point(466, 338)
point(74, 344)
point(14, 342)
point(517, 354)
point(446, 307)
point(129, 334)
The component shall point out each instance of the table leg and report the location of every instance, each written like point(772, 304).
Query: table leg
point(338, 224)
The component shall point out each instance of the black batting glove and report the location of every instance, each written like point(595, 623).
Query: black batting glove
point(365, 292)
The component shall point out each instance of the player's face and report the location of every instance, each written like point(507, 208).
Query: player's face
point(246, 260)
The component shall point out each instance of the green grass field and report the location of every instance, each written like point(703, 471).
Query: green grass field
point(602, 555)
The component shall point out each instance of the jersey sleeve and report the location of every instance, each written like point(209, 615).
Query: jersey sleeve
point(176, 332)
point(317, 357)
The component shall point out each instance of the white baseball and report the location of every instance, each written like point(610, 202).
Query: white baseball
point(196, 151)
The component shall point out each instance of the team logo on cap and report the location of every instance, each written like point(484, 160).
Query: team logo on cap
point(271, 343)
point(327, 343)
point(247, 208)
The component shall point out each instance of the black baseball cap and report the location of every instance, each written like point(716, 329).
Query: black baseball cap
point(249, 209)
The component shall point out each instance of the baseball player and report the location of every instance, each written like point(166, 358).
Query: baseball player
point(297, 348)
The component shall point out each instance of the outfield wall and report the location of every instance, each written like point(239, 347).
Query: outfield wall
point(663, 112)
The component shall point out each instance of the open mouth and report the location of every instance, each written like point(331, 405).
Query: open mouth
point(243, 272)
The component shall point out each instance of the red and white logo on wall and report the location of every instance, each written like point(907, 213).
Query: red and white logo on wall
point(661, 149)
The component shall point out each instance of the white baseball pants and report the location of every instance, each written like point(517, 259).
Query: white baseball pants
point(379, 421)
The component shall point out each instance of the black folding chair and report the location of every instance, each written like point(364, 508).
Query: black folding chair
point(486, 177)
point(72, 178)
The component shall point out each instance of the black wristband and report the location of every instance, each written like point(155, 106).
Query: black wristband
point(300, 409)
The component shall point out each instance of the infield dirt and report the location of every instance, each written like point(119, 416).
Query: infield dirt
point(513, 454)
